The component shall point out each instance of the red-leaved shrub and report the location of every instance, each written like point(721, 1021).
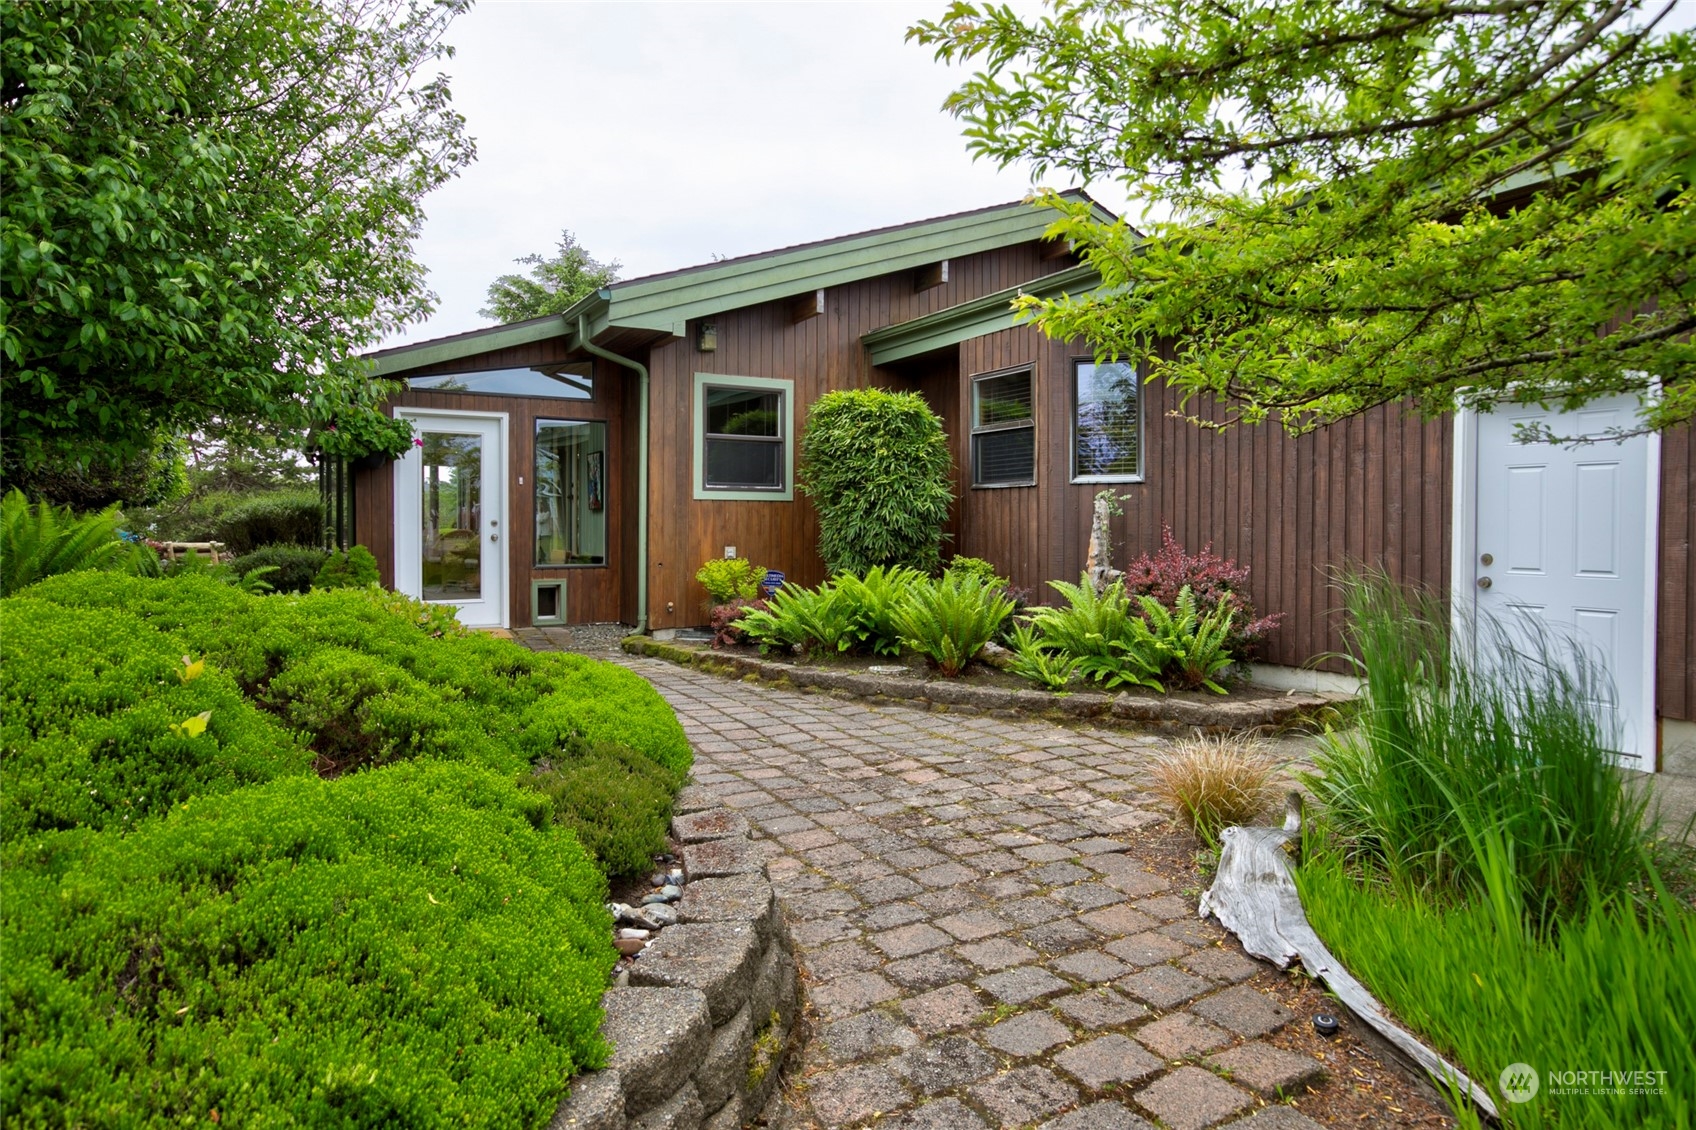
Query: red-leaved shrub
point(1212, 580)
point(726, 630)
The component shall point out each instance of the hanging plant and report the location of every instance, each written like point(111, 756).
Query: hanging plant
point(362, 434)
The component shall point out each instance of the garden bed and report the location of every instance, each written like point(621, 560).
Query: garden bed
point(985, 690)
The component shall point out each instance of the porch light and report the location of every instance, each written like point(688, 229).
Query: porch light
point(706, 336)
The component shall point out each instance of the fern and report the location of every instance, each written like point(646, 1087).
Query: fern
point(948, 620)
point(1196, 647)
point(43, 541)
point(1111, 644)
point(1035, 660)
point(817, 619)
point(872, 601)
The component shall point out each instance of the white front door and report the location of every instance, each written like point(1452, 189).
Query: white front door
point(450, 514)
point(1567, 536)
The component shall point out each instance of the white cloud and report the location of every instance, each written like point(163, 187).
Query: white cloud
point(662, 134)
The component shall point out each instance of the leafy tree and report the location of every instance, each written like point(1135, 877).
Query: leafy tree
point(1363, 200)
point(209, 211)
point(552, 285)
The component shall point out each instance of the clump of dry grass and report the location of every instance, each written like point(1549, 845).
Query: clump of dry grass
point(1213, 783)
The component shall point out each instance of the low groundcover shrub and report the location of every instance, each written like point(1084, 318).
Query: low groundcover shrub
point(317, 859)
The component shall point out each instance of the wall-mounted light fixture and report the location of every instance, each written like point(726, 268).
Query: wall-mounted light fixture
point(706, 336)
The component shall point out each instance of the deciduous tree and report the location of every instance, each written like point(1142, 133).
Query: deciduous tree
point(209, 211)
point(1363, 201)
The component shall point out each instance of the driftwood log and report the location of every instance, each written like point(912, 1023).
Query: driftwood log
point(1254, 896)
point(1098, 564)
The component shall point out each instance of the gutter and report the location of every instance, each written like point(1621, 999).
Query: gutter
point(641, 371)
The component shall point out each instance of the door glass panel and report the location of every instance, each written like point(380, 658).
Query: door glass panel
point(452, 516)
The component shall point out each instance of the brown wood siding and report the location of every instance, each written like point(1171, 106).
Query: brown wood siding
point(819, 354)
point(593, 593)
point(1675, 643)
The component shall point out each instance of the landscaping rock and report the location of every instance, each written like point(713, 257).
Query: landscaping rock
point(682, 1111)
point(720, 960)
point(651, 1031)
point(714, 858)
point(711, 824)
point(662, 915)
point(596, 1102)
point(726, 1064)
point(735, 898)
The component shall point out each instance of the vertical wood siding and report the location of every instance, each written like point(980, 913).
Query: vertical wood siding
point(593, 594)
point(819, 354)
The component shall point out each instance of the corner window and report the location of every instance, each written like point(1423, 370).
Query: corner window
point(742, 438)
point(1106, 422)
point(571, 492)
point(1003, 431)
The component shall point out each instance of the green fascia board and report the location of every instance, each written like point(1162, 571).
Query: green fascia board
point(665, 302)
point(405, 358)
point(971, 319)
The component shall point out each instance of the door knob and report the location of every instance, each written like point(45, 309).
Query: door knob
point(1483, 582)
point(497, 537)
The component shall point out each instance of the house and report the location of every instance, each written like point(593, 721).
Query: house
point(579, 468)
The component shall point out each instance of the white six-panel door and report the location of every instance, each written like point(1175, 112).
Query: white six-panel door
point(1562, 541)
point(450, 514)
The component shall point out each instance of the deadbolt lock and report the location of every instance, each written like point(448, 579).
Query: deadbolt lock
point(1487, 559)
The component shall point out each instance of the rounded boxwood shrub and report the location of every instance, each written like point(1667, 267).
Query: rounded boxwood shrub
point(95, 723)
point(413, 946)
point(344, 569)
point(294, 566)
point(876, 465)
point(279, 518)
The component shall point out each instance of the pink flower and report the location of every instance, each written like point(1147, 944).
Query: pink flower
point(417, 442)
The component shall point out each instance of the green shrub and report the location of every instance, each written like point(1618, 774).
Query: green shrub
point(295, 566)
point(278, 518)
point(876, 466)
point(401, 948)
point(1197, 647)
point(979, 568)
point(617, 801)
point(43, 541)
point(730, 578)
point(816, 619)
point(1111, 643)
point(1448, 756)
point(371, 677)
point(354, 568)
point(948, 620)
point(1036, 661)
point(92, 706)
point(872, 602)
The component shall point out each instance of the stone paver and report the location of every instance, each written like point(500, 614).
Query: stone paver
point(981, 946)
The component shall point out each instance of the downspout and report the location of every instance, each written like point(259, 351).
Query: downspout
point(641, 464)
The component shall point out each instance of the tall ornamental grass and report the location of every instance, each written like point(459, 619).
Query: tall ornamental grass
point(1613, 989)
point(1453, 752)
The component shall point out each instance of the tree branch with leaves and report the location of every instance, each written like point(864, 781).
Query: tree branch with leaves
point(1362, 202)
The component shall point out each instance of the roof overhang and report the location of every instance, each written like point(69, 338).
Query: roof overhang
point(980, 316)
point(664, 304)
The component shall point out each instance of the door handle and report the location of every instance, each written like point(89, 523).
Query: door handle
point(1483, 582)
point(497, 537)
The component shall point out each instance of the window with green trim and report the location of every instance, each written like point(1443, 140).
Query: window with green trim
point(743, 439)
point(1003, 430)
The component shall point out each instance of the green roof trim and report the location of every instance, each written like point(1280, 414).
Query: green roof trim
point(970, 319)
point(665, 303)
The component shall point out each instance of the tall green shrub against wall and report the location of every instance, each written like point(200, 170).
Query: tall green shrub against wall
point(876, 465)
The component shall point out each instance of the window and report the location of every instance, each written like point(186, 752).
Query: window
point(1106, 421)
point(1003, 431)
point(742, 437)
point(557, 382)
point(571, 492)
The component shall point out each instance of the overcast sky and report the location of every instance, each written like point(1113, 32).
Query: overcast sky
point(663, 134)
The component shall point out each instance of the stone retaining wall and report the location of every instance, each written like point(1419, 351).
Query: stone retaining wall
point(699, 1032)
point(1222, 714)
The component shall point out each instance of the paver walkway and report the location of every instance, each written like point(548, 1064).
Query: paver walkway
point(979, 948)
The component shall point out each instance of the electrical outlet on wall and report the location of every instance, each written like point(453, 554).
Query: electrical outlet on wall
point(729, 552)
